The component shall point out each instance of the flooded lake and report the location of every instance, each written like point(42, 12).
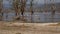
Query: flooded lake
point(36, 17)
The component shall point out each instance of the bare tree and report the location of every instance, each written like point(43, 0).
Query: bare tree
point(31, 9)
point(1, 13)
point(19, 7)
point(52, 9)
point(53, 12)
point(16, 6)
point(23, 6)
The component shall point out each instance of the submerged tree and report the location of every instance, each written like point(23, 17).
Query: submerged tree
point(53, 12)
point(19, 6)
point(15, 6)
point(52, 9)
point(1, 13)
point(31, 9)
point(15, 3)
point(23, 6)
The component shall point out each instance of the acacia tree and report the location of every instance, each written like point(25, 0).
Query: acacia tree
point(31, 9)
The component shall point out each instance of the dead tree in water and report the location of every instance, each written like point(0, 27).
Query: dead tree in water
point(16, 4)
point(23, 6)
point(16, 7)
point(31, 9)
point(53, 12)
point(1, 13)
point(52, 9)
point(20, 8)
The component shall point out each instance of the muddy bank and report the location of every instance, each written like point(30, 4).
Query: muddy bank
point(28, 28)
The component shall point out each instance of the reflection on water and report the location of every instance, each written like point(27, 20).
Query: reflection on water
point(37, 17)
